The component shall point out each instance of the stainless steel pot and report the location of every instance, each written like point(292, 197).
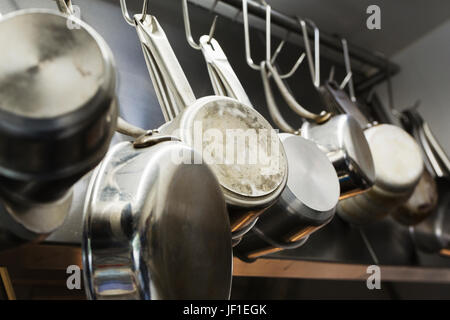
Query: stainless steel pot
point(57, 115)
point(339, 136)
point(155, 228)
point(398, 167)
point(249, 188)
point(433, 234)
point(309, 200)
point(396, 156)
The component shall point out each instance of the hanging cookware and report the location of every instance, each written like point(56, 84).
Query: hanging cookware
point(155, 224)
point(424, 200)
point(433, 234)
point(240, 145)
point(308, 202)
point(397, 159)
point(339, 136)
point(155, 228)
point(57, 115)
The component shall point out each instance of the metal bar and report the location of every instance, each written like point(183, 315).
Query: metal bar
point(332, 42)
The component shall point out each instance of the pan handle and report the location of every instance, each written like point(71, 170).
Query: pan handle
point(292, 103)
point(437, 149)
point(271, 104)
point(166, 72)
point(223, 78)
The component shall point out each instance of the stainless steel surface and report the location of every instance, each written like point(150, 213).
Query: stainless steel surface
point(433, 234)
point(421, 204)
point(341, 138)
point(345, 144)
point(397, 162)
point(223, 78)
point(312, 189)
point(58, 115)
point(398, 168)
point(424, 200)
point(306, 205)
point(336, 242)
point(248, 188)
point(154, 228)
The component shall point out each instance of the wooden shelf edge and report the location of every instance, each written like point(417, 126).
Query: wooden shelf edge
point(59, 257)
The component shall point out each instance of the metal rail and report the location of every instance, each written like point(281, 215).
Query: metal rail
point(331, 42)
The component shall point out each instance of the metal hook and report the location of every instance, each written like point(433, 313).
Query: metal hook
point(277, 52)
point(348, 69)
point(187, 26)
point(269, 57)
point(126, 14)
point(331, 75)
point(314, 65)
point(247, 35)
point(294, 68)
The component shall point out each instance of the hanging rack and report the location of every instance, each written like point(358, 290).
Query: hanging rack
point(381, 65)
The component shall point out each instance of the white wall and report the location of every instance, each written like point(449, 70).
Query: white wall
point(425, 76)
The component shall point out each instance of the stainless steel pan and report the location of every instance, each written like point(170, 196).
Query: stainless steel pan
point(155, 224)
point(433, 234)
point(249, 188)
point(308, 202)
point(339, 136)
point(397, 159)
point(57, 116)
point(154, 228)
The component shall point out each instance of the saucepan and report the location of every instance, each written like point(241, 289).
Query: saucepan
point(309, 200)
point(433, 234)
point(57, 115)
point(339, 136)
point(397, 160)
point(155, 224)
point(155, 228)
point(251, 171)
point(424, 200)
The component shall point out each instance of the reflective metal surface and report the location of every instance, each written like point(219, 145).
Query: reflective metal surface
point(398, 168)
point(248, 188)
point(58, 114)
point(154, 228)
point(420, 204)
point(340, 137)
point(346, 146)
point(309, 200)
point(433, 234)
point(307, 204)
